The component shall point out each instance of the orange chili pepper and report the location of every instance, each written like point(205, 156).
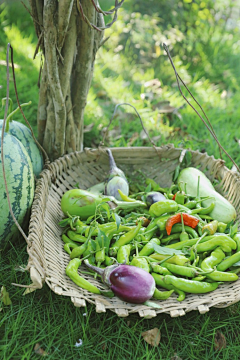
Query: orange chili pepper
point(188, 220)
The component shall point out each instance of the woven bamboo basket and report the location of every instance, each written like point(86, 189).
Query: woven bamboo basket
point(47, 258)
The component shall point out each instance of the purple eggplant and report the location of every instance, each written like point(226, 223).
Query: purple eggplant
point(153, 197)
point(116, 180)
point(127, 282)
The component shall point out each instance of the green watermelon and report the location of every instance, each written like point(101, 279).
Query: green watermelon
point(20, 181)
point(23, 134)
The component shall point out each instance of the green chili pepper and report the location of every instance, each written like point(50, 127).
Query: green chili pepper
point(109, 260)
point(67, 247)
point(160, 269)
point(208, 264)
point(162, 295)
point(79, 250)
point(76, 237)
point(180, 197)
point(159, 279)
point(188, 243)
point(148, 249)
point(205, 217)
point(236, 238)
point(184, 235)
point(66, 240)
point(175, 259)
point(99, 255)
point(221, 227)
point(201, 210)
point(191, 204)
point(90, 251)
point(171, 237)
point(178, 228)
point(161, 222)
point(181, 270)
point(199, 278)
point(125, 239)
point(210, 228)
point(190, 286)
point(140, 262)
point(72, 272)
point(125, 197)
point(227, 263)
point(123, 254)
point(222, 241)
point(161, 207)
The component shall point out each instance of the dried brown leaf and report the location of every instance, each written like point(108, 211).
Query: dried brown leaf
point(101, 94)
point(176, 357)
point(153, 83)
point(219, 341)
point(88, 128)
point(39, 351)
point(152, 336)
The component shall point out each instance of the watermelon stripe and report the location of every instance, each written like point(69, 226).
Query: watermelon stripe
point(23, 134)
point(20, 181)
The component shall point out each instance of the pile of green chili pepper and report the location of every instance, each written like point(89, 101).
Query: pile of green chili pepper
point(176, 240)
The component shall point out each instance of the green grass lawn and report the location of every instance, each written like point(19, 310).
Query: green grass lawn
point(125, 65)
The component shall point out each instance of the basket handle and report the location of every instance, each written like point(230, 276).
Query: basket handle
point(112, 118)
point(209, 125)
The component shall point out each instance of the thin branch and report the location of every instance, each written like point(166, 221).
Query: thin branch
point(109, 12)
point(144, 129)
point(2, 154)
point(209, 129)
point(99, 10)
point(32, 16)
point(20, 108)
point(38, 45)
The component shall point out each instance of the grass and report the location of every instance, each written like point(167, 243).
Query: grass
point(53, 322)
point(121, 75)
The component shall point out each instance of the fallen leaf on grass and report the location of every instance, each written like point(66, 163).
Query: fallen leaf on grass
point(176, 357)
point(152, 336)
point(4, 296)
point(39, 351)
point(88, 128)
point(219, 341)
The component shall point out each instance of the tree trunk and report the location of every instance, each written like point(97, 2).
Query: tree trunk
point(69, 45)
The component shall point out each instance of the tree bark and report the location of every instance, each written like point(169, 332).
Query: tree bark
point(69, 45)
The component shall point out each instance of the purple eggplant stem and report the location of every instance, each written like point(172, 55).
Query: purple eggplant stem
point(129, 283)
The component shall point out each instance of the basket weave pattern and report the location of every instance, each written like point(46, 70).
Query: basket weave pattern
point(47, 258)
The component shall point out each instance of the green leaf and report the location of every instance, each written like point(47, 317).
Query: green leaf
point(176, 173)
point(166, 251)
point(148, 188)
point(117, 219)
point(94, 245)
point(105, 207)
point(4, 296)
point(188, 159)
point(64, 222)
point(233, 229)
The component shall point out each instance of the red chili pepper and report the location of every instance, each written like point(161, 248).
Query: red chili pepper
point(174, 196)
point(188, 220)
